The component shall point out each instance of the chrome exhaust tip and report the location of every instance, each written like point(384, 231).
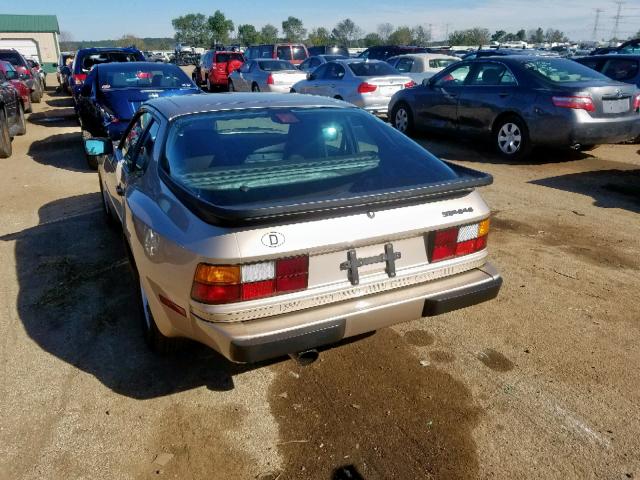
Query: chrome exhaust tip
point(305, 358)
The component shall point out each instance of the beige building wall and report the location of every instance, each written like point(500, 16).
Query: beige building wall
point(47, 43)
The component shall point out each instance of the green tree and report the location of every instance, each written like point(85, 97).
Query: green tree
point(556, 36)
point(402, 36)
point(293, 29)
point(372, 39)
point(421, 36)
point(128, 40)
point(269, 34)
point(521, 35)
point(472, 36)
point(536, 36)
point(191, 29)
point(384, 31)
point(498, 36)
point(247, 34)
point(346, 33)
point(220, 27)
point(319, 36)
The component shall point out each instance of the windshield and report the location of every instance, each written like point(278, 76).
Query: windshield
point(441, 62)
point(135, 76)
point(12, 57)
point(562, 71)
point(269, 156)
point(108, 57)
point(372, 69)
point(227, 57)
point(274, 66)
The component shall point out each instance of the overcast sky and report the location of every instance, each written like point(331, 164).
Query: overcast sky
point(152, 18)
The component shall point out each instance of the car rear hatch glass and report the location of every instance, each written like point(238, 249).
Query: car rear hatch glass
point(253, 165)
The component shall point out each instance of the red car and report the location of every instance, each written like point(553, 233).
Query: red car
point(14, 78)
point(215, 67)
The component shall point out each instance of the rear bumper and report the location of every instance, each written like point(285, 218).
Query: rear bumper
point(276, 336)
point(606, 131)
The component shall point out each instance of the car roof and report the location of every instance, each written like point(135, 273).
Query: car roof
point(358, 60)
point(115, 65)
point(629, 56)
point(269, 60)
point(172, 107)
point(108, 49)
point(429, 56)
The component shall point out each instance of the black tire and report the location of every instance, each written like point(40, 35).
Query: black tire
point(22, 121)
point(92, 160)
point(338, 97)
point(109, 216)
point(255, 88)
point(155, 340)
point(511, 138)
point(232, 87)
point(291, 90)
point(36, 96)
point(5, 137)
point(402, 118)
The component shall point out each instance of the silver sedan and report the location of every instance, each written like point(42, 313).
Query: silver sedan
point(265, 75)
point(368, 84)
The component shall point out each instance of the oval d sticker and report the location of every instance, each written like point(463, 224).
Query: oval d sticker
point(272, 239)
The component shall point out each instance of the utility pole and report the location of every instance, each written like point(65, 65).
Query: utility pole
point(446, 35)
point(617, 20)
point(595, 25)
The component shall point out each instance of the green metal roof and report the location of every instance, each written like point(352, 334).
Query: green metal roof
point(28, 23)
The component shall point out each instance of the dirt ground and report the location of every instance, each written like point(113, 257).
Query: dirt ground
point(542, 382)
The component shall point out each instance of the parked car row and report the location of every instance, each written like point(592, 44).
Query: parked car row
point(29, 74)
point(13, 103)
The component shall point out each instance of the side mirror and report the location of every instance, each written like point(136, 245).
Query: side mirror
point(98, 146)
point(311, 76)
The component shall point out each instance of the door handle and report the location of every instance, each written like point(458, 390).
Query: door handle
point(503, 94)
point(119, 190)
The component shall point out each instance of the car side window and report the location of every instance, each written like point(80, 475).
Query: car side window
point(492, 74)
point(404, 65)
point(133, 137)
point(621, 69)
point(144, 154)
point(245, 67)
point(454, 77)
point(266, 51)
point(590, 62)
point(314, 63)
point(320, 72)
point(333, 72)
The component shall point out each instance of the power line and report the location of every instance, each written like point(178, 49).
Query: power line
point(595, 25)
point(617, 19)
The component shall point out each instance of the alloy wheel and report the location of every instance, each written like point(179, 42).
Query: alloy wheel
point(509, 138)
point(401, 120)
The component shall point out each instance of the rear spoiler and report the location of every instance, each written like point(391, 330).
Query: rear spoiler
point(468, 180)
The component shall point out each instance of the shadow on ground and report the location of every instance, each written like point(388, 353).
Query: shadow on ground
point(609, 188)
point(64, 102)
point(63, 150)
point(60, 117)
point(75, 302)
point(450, 148)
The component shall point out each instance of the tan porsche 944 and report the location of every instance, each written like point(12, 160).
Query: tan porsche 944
point(271, 224)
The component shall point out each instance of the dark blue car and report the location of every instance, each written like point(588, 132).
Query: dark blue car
point(86, 58)
point(113, 92)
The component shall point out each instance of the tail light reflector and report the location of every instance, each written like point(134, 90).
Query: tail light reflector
point(636, 103)
point(578, 103)
point(458, 241)
point(79, 78)
point(410, 84)
point(270, 80)
point(365, 87)
point(217, 284)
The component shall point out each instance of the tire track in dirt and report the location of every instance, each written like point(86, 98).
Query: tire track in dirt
point(370, 406)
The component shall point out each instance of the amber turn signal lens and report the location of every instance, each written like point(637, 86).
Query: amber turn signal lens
point(217, 274)
point(483, 229)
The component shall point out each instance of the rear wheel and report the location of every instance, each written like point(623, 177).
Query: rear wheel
point(36, 96)
point(22, 122)
point(106, 206)
point(5, 138)
point(232, 88)
point(209, 87)
point(511, 138)
point(255, 88)
point(154, 338)
point(402, 118)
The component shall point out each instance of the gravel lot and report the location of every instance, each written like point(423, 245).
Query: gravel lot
point(540, 383)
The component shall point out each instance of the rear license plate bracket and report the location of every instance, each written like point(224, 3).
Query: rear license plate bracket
point(620, 105)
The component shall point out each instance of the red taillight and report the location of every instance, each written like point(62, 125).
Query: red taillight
point(365, 87)
point(410, 84)
point(79, 78)
point(270, 80)
point(579, 103)
point(636, 103)
point(217, 284)
point(458, 241)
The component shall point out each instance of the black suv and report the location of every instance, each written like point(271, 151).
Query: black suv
point(383, 52)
